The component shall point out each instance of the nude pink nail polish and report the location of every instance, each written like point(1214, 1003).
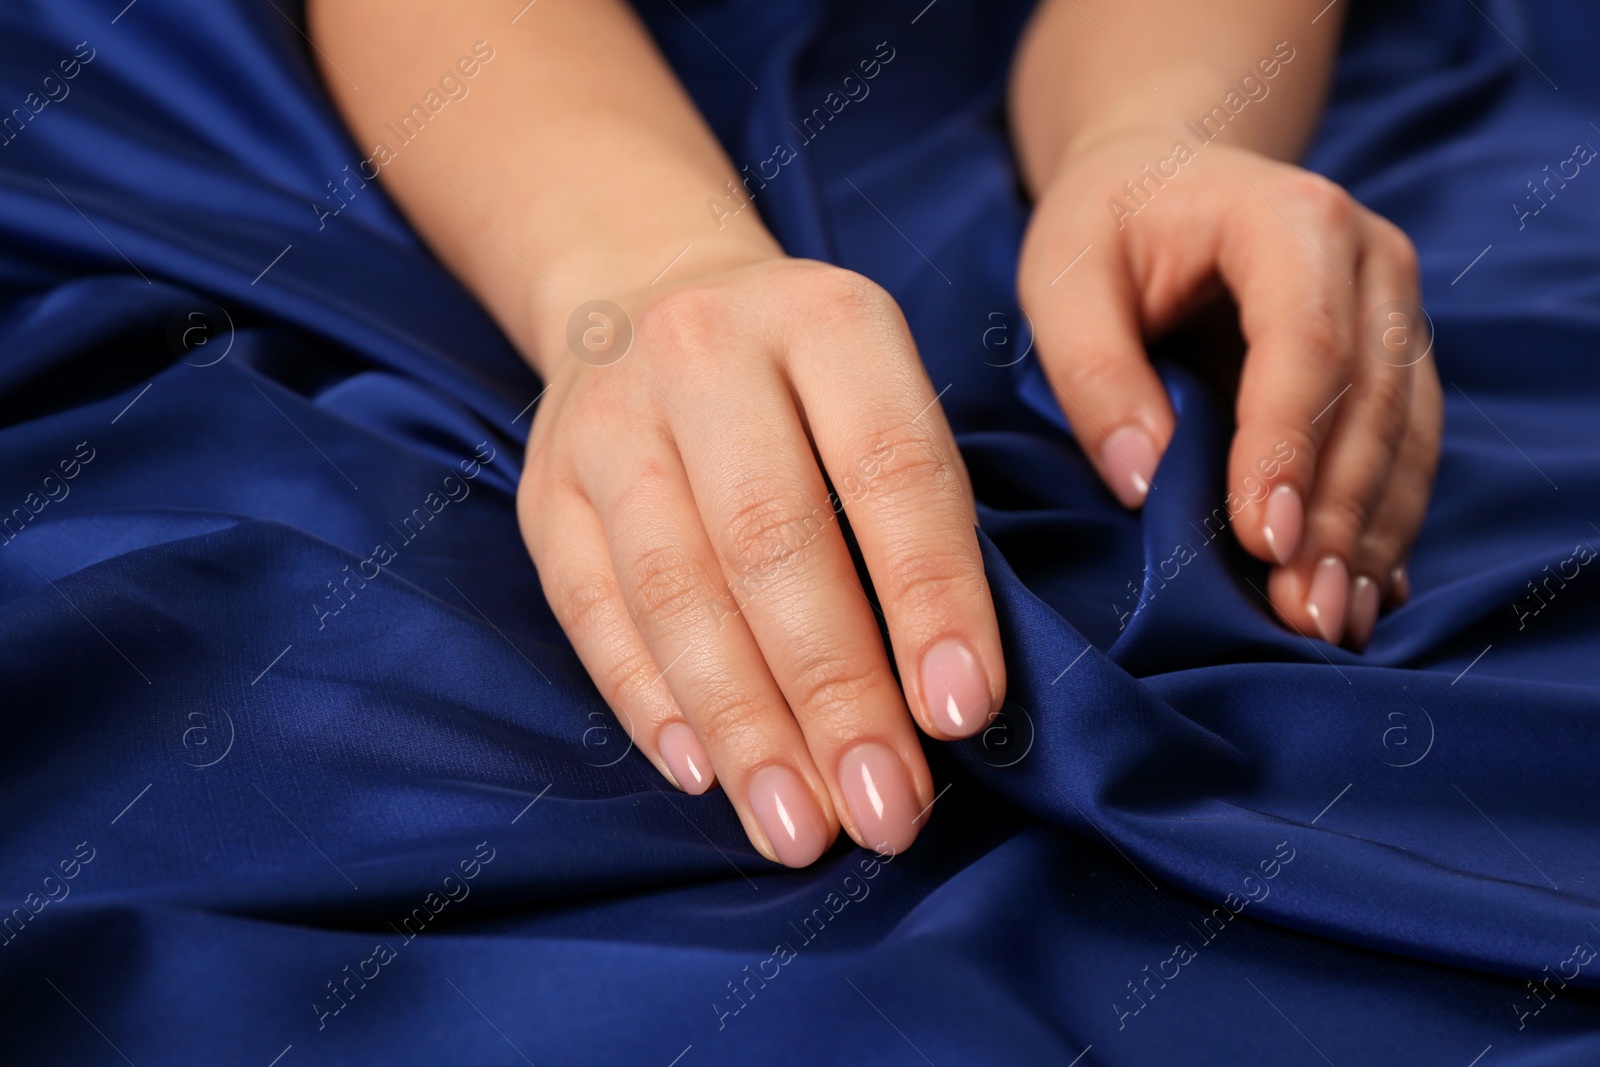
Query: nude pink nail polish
point(1129, 459)
point(1285, 516)
point(788, 815)
point(954, 688)
point(1330, 591)
point(1399, 585)
point(877, 790)
point(685, 757)
point(1363, 610)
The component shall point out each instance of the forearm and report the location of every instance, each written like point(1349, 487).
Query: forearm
point(1089, 70)
point(574, 141)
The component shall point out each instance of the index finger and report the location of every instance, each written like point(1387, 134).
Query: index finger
point(878, 428)
point(1294, 284)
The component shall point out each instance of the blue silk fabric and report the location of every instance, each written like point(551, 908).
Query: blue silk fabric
point(257, 805)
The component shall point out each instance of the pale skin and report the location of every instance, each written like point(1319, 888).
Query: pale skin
point(671, 500)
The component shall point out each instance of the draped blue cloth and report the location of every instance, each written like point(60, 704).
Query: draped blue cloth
point(298, 764)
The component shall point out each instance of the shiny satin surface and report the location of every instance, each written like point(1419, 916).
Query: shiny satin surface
point(297, 763)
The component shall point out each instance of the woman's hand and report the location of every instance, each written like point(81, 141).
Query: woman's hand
point(1339, 413)
point(690, 547)
point(676, 499)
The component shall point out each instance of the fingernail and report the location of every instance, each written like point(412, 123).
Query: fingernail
point(788, 815)
point(878, 792)
point(685, 758)
point(1363, 610)
point(1399, 585)
point(1284, 518)
point(1330, 589)
point(1129, 459)
point(954, 687)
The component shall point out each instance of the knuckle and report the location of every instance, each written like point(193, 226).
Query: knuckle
point(1341, 519)
point(924, 584)
point(622, 681)
point(577, 602)
point(589, 605)
point(1301, 444)
point(1326, 202)
point(595, 409)
point(1388, 402)
point(1398, 247)
point(850, 290)
point(1263, 432)
point(685, 320)
point(730, 718)
point(664, 586)
point(855, 301)
point(1378, 551)
point(1092, 373)
point(652, 479)
point(909, 463)
point(1261, 453)
point(1322, 335)
point(766, 530)
point(832, 691)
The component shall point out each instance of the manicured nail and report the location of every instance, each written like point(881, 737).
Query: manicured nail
point(1399, 585)
point(788, 815)
point(878, 792)
point(1330, 590)
point(1363, 610)
point(1129, 459)
point(955, 689)
point(685, 757)
point(1284, 519)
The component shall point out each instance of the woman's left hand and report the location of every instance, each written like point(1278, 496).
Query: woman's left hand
point(1339, 407)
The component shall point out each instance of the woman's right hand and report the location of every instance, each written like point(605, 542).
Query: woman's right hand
point(688, 543)
point(674, 500)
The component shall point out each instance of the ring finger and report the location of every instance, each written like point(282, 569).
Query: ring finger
point(676, 595)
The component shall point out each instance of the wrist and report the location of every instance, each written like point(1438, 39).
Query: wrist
point(556, 313)
point(1196, 106)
